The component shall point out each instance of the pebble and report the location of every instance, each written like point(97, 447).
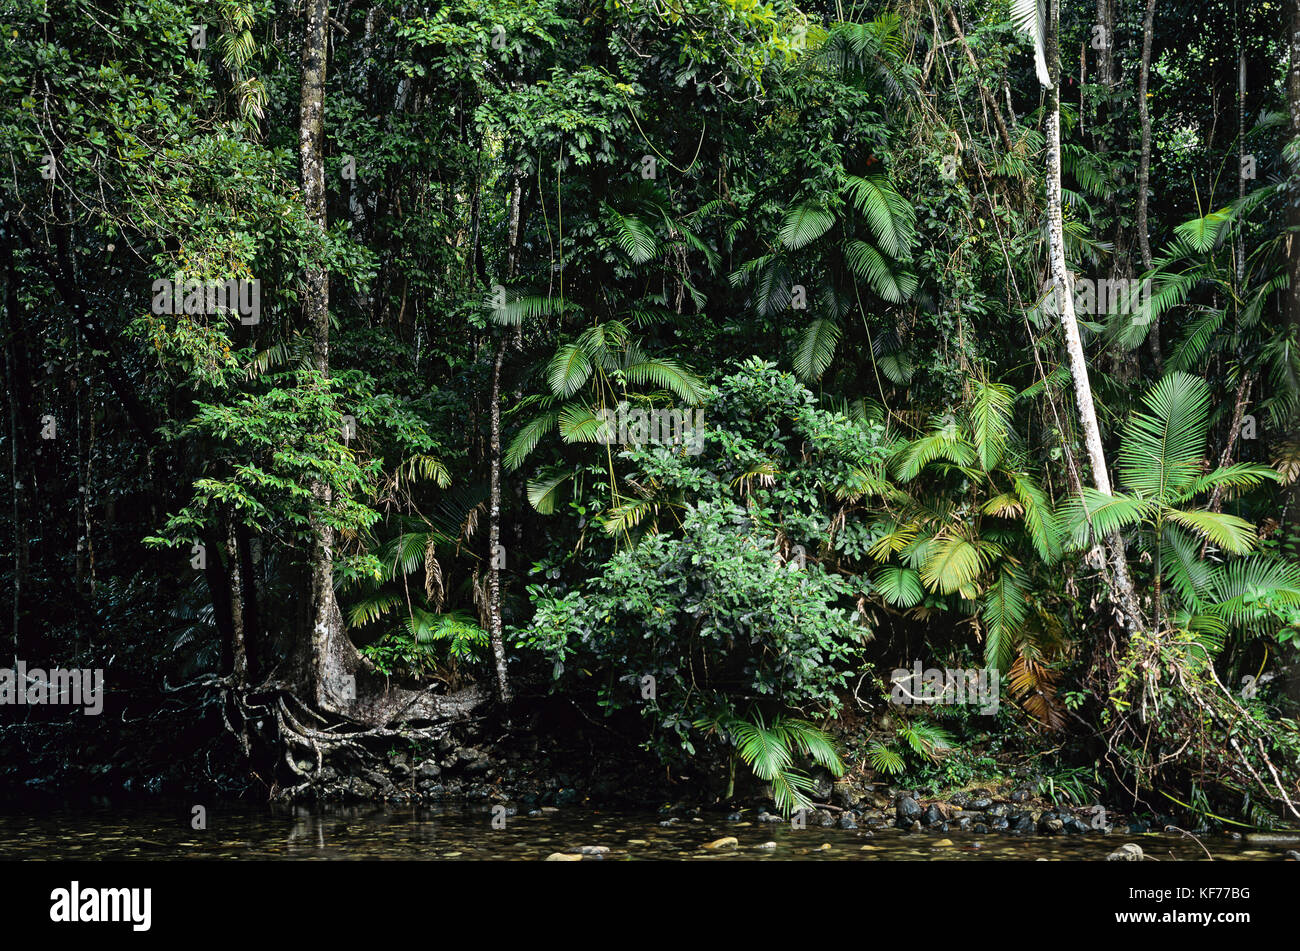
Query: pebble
point(726, 842)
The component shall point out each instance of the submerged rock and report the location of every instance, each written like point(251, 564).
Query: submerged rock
point(1022, 824)
point(1050, 824)
point(726, 842)
point(1074, 825)
point(1128, 852)
point(563, 857)
point(1273, 838)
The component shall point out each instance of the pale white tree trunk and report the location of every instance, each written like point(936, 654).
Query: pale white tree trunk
point(1120, 582)
point(495, 632)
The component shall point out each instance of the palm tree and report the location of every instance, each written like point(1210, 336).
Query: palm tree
point(976, 540)
point(1160, 468)
point(769, 750)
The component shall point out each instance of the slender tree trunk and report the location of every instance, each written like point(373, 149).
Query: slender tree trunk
point(990, 102)
point(1293, 239)
point(328, 664)
point(1144, 171)
point(494, 529)
point(1121, 584)
point(1238, 411)
point(1293, 206)
point(1241, 166)
point(250, 598)
point(17, 390)
point(326, 623)
point(494, 480)
point(238, 651)
point(1106, 55)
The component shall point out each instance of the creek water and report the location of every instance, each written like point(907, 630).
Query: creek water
point(466, 832)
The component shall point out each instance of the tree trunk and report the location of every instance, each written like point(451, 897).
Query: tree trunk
point(17, 391)
point(1144, 172)
point(1234, 429)
point(335, 676)
point(1293, 240)
point(990, 102)
point(1106, 55)
point(1293, 206)
point(238, 650)
point(326, 622)
point(1121, 584)
point(494, 479)
point(494, 529)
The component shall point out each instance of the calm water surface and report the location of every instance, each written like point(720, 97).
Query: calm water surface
point(466, 833)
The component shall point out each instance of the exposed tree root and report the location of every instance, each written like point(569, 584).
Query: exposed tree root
point(1169, 699)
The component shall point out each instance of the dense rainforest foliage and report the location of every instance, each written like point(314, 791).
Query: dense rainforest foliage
point(371, 366)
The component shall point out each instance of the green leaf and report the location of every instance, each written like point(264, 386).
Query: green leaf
point(1161, 452)
point(869, 264)
point(891, 218)
point(526, 439)
point(991, 421)
point(1202, 234)
point(1004, 608)
point(953, 563)
point(804, 224)
point(1095, 515)
point(816, 348)
point(899, 586)
point(1227, 531)
point(1030, 16)
point(543, 492)
point(569, 370)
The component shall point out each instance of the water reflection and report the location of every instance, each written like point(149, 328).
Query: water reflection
point(465, 831)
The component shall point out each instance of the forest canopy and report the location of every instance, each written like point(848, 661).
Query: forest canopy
point(370, 367)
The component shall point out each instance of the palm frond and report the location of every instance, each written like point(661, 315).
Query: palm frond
point(543, 492)
point(804, 224)
point(816, 349)
point(1030, 16)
